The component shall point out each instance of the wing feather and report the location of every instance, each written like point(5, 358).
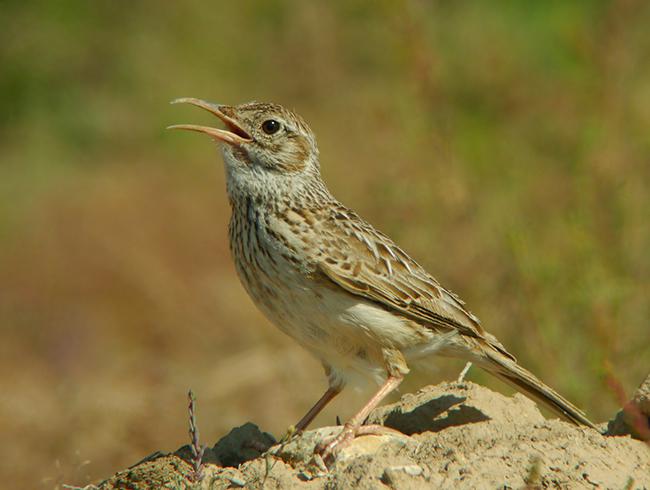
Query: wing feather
point(369, 264)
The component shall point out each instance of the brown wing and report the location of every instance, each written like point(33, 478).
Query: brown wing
point(367, 263)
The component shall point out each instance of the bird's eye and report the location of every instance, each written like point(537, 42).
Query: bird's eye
point(270, 126)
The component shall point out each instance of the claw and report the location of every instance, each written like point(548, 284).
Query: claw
point(320, 464)
point(329, 448)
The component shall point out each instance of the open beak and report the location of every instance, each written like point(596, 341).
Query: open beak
point(233, 135)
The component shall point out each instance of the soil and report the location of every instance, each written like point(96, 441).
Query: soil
point(452, 435)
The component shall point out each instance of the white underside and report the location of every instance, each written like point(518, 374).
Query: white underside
point(348, 333)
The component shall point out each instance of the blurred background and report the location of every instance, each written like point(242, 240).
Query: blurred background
point(507, 149)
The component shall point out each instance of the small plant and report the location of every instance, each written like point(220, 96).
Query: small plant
point(195, 446)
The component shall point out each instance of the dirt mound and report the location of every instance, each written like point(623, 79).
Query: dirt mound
point(451, 436)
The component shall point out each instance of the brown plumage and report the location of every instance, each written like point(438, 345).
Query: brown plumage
point(330, 280)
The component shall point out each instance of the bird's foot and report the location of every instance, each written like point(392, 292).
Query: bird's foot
point(378, 430)
point(329, 448)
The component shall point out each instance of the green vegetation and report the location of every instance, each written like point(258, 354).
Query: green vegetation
point(506, 146)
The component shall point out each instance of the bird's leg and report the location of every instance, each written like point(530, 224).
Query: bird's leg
point(352, 426)
point(327, 397)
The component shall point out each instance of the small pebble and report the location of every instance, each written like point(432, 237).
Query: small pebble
point(305, 476)
point(390, 473)
point(412, 470)
point(236, 481)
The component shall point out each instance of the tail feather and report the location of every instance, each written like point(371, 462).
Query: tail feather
point(512, 373)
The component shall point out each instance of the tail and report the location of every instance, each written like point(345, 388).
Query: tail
point(512, 373)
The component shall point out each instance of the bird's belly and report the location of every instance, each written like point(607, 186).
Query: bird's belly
point(344, 331)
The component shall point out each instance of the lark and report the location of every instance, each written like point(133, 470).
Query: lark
point(327, 278)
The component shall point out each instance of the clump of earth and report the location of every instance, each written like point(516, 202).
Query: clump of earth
point(452, 435)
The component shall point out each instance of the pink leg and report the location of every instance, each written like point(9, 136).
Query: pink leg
point(351, 428)
point(316, 409)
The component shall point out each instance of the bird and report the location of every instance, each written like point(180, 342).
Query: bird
point(330, 280)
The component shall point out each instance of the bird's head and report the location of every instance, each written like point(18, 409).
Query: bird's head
point(262, 143)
